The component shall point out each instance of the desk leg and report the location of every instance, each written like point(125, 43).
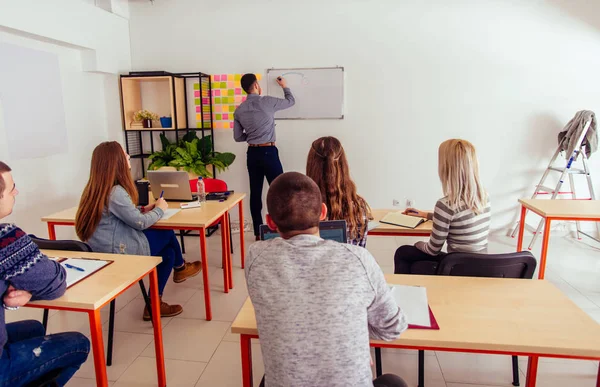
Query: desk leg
point(229, 252)
point(521, 229)
point(246, 346)
point(242, 244)
point(224, 255)
point(598, 379)
point(158, 340)
point(205, 274)
point(544, 248)
point(98, 348)
point(51, 231)
point(532, 366)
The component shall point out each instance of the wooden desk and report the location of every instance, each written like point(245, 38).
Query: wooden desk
point(193, 219)
point(481, 315)
point(578, 210)
point(96, 291)
point(424, 229)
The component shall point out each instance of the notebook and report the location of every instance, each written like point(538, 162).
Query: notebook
point(89, 266)
point(170, 212)
point(399, 219)
point(414, 304)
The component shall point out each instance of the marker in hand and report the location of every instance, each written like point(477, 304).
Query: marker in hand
point(161, 194)
point(413, 211)
point(73, 267)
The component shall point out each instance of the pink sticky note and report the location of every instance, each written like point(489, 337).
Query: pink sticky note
point(197, 109)
point(238, 99)
point(218, 92)
point(223, 77)
point(218, 108)
point(217, 78)
point(243, 99)
point(225, 117)
point(205, 101)
point(231, 85)
point(197, 93)
point(231, 125)
point(238, 91)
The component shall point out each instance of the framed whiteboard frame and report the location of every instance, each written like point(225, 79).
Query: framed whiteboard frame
point(315, 68)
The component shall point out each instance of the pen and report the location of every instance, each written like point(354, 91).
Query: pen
point(73, 267)
point(161, 194)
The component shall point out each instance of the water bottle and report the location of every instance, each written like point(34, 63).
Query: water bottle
point(201, 191)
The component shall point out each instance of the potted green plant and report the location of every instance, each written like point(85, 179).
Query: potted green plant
point(146, 117)
point(192, 154)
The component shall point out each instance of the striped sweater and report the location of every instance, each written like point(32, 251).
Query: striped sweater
point(462, 229)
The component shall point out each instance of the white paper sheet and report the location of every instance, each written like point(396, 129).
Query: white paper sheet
point(170, 212)
point(372, 225)
point(413, 301)
point(89, 266)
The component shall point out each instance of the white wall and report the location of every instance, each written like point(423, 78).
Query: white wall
point(102, 36)
point(505, 75)
point(91, 106)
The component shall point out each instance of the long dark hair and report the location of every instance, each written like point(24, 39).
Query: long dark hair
point(328, 167)
point(109, 168)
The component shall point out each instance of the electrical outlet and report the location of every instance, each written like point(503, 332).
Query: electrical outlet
point(395, 203)
point(410, 203)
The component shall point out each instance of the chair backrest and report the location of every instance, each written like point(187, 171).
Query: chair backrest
point(512, 265)
point(69, 245)
point(210, 185)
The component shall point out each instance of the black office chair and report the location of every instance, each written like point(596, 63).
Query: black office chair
point(512, 265)
point(71, 245)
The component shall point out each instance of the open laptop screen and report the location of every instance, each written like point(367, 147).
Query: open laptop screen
point(330, 229)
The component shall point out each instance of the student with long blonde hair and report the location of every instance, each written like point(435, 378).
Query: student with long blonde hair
point(328, 167)
point(461, 219)
point(109, 220)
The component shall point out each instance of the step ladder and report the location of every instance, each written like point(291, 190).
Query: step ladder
point(568, 169)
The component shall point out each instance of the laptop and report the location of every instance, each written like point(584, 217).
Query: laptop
point(175, 184)
point(334, 230)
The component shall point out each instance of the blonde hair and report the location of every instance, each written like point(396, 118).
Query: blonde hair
point(459, 173)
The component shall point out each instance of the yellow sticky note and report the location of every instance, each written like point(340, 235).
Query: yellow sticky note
point(237, 78)
point(258, 76)
point(198, 117)
point(230, 77)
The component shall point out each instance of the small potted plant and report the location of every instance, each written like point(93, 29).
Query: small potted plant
point(146, 117)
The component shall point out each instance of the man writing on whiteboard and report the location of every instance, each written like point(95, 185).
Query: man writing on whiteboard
point(255, 124)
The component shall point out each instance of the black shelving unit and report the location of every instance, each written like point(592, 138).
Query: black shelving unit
point(134, 138)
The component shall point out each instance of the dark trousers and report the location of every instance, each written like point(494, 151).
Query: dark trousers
point(165, 244)
point(387, 380)
point(29, 354)
point(262, 162)
point(405, 256)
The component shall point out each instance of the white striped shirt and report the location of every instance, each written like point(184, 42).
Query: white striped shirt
point(462, 229)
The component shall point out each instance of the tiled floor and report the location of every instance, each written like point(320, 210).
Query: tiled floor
point(200, 353)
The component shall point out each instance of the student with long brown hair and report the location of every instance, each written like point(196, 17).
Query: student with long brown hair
point(109, 220)
point(461, 219)
point(328, 167)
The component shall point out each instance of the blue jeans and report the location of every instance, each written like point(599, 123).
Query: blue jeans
point(165, 244)
point(262, 162)
point(29, 354)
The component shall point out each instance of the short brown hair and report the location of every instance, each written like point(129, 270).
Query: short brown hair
point(3, 168)
point(294, 202)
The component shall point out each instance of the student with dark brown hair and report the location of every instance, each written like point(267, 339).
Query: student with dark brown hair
point(110, 221)
point(328, 167)
point(317, 302)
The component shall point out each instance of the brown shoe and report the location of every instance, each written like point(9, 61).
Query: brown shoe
point(190, 269)
point(166, 310)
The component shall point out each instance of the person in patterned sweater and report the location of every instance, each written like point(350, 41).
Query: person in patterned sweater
point(26, 352)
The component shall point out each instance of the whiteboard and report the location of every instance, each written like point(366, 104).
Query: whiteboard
point(319, 92)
